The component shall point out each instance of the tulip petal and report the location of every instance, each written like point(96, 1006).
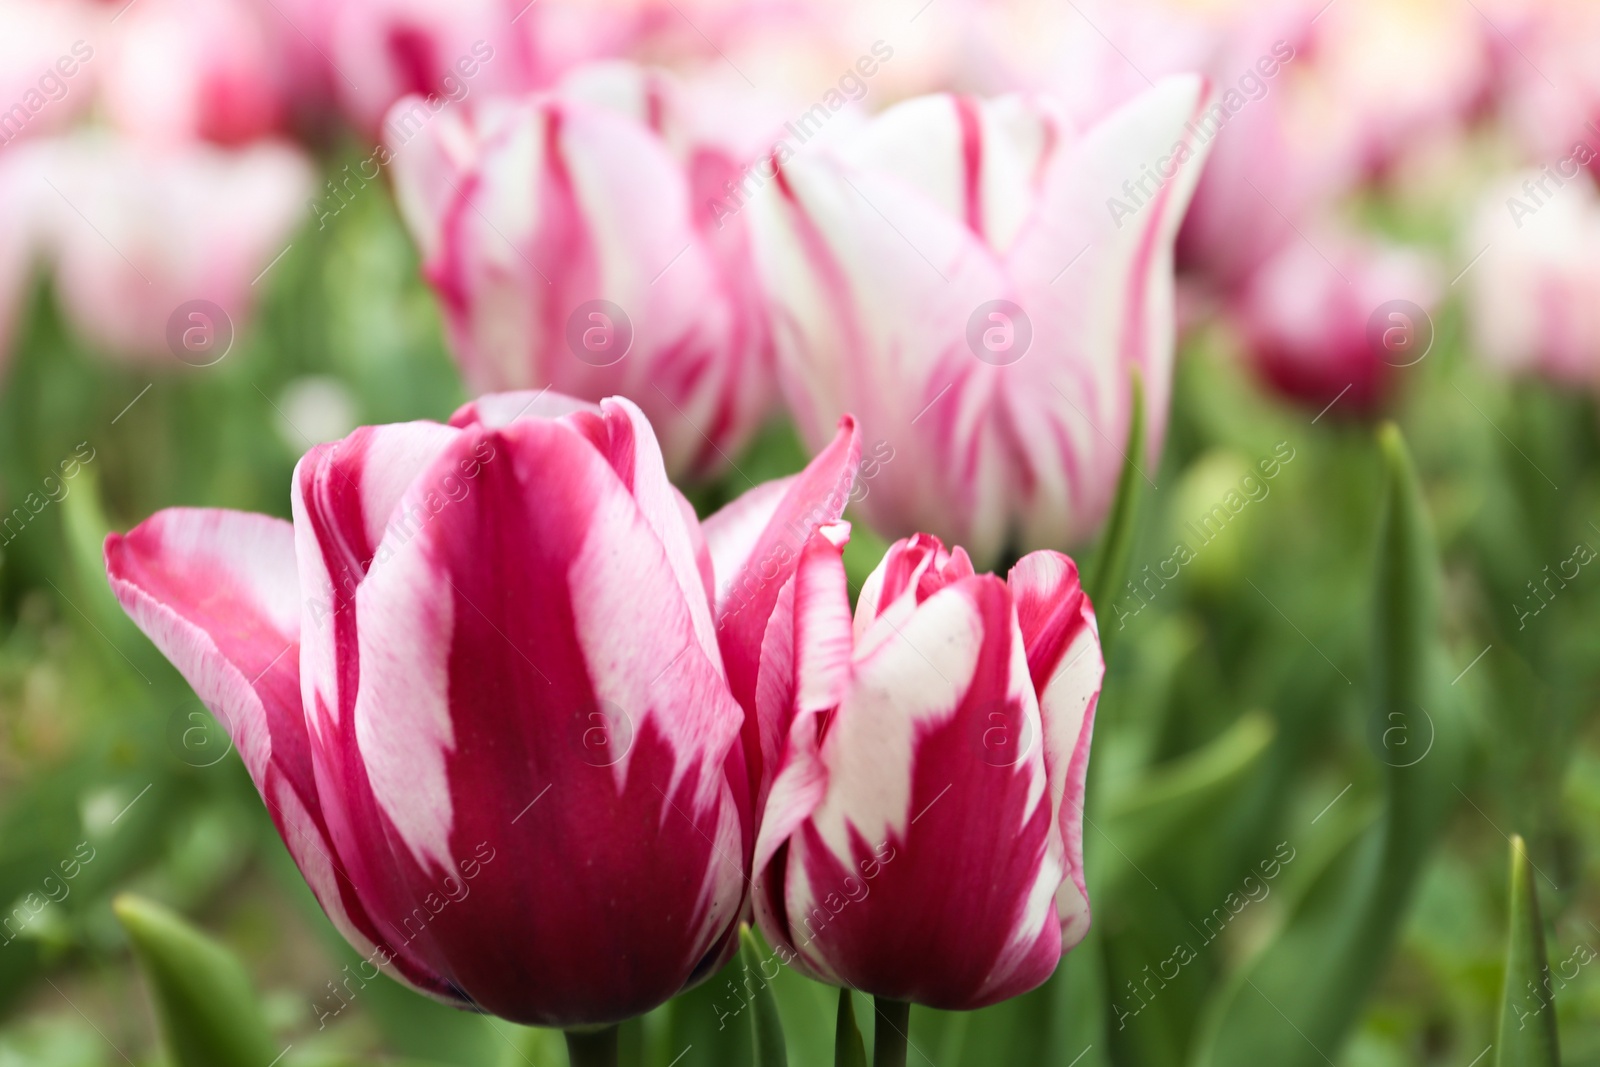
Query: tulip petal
point(218, 594)
point(345, 499)
point(873, 286)
point(494, 410)
point(1068, 415)
point(621, 432)
point(755, 544)
point(1063, 645)
point(805, 671)
point(516, 708)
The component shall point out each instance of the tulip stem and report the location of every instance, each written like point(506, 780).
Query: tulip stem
point(891, 1026)
point(592, 1048)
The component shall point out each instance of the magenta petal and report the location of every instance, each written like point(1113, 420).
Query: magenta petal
point(523, 713)
point(217, 593)
point(1063, 647)
point(755, 544)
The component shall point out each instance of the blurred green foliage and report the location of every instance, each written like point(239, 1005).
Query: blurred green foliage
point(1363, 683)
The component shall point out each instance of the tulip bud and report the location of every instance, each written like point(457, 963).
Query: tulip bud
point(923, 837)
point(1533, 306)
point(1335, 317)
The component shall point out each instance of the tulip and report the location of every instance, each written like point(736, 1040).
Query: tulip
point(47, 66)
point(923, 837)
point(180, 70)
point(380, 51)
point(1546, 68)
point(1335, 316)
point(478, 684)
point(1532, 306)
point(157, 248)
point(977, 281)
point(1398, 73)
point(568, 250)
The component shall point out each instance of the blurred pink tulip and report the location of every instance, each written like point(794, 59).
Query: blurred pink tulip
point(1335, 315)
point(923, 838)
point(138, 229)
point(977, 281)
point(479, 652)
point(1532, 304)
point(186, 69)
point(1394, 75)
point(48, 66)
point(382, 50)
point(573, 245)
point(1546, 78)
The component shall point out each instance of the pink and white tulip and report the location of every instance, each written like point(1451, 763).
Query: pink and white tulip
point(1532, 306)
point(137, 229)
point(572, 248)
point(974, 281)
point(1336, 315)
point(478, 683)
point(923, 837)
point(380, 51)
point(48, 65)
point(181, 70)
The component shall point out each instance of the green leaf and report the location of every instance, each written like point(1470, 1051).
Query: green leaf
point(1181, 796)
point(1279, 1009)
point(1527, 1013)
point(209, 1013)
point(849, 1050)
point(765, 1026)
point(1116, 544)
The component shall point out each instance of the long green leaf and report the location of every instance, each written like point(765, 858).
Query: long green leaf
point(1527, 1013)
point(208, 1011)
point(1279, 1008)
point(766, 1027)
point(1116, 544)
point(1181, 796)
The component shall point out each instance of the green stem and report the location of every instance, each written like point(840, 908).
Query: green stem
point(592, 1048)
point(891, 1028)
